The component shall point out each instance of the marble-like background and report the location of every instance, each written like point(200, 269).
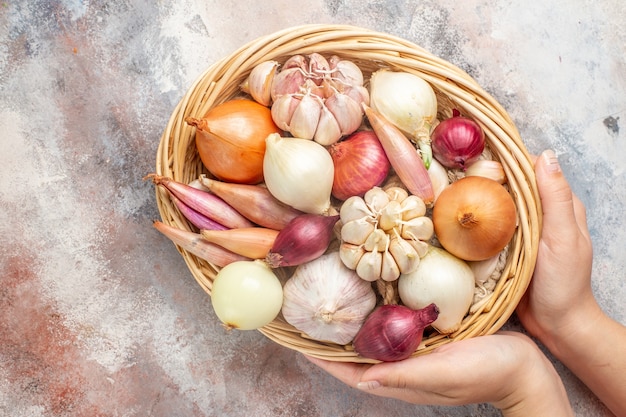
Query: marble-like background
point(99, 315)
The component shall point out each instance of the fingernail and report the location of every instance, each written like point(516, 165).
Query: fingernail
point(368, 385)
point(552, 162)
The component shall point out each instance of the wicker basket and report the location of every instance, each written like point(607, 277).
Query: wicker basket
point(177, 158)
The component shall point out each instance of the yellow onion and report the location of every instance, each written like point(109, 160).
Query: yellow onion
point(230, 140)
point(474, 218)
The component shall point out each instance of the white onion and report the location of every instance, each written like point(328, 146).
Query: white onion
point(246, 295)
point(403, 98)
point(299, 172)
point(443, 279)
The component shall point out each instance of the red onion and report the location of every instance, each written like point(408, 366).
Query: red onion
point(305, 238)
point(393, 332)
point(360, 164)
point(457, 142)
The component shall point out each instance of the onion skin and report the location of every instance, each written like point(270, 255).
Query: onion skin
point(305, 238)
point(457, 142)
point(360, 164)
point(393, 332)
point(230, 140)
point(254, 202)
point(403, 156)
point(474, 218)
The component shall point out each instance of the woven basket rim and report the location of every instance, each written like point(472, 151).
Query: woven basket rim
point(221, 80)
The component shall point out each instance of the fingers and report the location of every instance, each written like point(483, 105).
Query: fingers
point(556, 195)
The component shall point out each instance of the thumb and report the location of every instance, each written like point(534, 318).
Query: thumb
point(555, 192)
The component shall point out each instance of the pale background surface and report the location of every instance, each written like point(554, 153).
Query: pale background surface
point(98, 313)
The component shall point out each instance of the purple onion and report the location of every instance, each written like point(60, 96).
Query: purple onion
point(457, 142)
point(393, 332)
point(305, 238)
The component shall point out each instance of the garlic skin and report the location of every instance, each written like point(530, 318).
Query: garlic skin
point(326, 300)
point(299, 173)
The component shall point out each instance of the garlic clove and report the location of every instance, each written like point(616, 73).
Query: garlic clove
point(354, 208)
point(376, 199)
point(377, 241)
point(345, 72)
point(390, 216)
point(295, 61)
point(347, 112)
point(319, 68)
point(413, 207)
point(259, 82)
point(389, 270)
point(487, 168)
point(370, 266)
point(328, 130)
point(357, 231)
point(358, 93)
point(420, 228)
point(420, 247)
point(404, 254)
point(305, 117)
point(287, 81)
point(396, 193)
point(350, 254)
point(282, 110)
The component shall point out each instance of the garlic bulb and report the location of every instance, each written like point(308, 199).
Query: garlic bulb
point(443, 279)
point(299, 173)
point(312, 97)
point(326, 300)
point(384, 234)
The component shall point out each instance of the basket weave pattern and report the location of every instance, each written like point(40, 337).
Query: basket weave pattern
point(177, 158)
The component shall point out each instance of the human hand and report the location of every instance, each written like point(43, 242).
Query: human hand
point(560, 291)
point(506, 369)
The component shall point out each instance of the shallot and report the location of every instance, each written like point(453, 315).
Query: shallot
point(255, 202)
point(403, 156)
point(196, 245)
point(251, 242)
point(204, 203)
